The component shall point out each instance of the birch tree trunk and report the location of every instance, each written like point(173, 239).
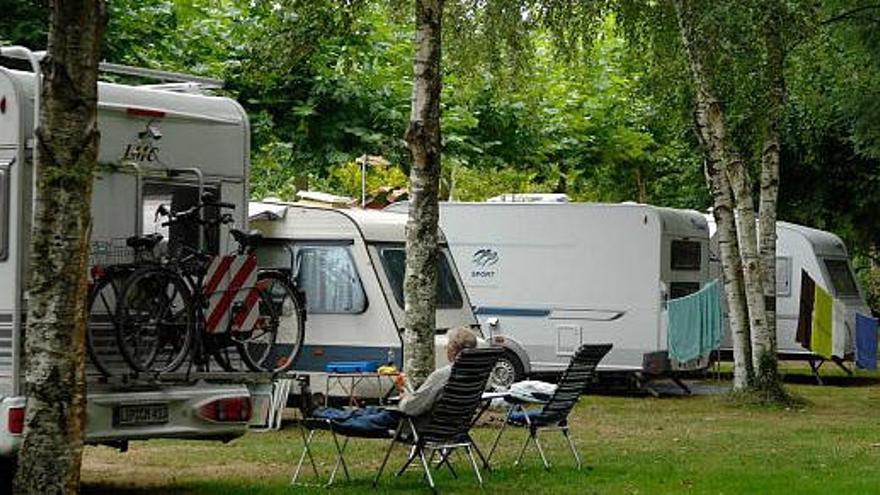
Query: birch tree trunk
point(711, 131)
point(766, 364)
point(49, 461)
point(423, 139)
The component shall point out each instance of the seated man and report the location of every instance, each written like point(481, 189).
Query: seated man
point(417, 404)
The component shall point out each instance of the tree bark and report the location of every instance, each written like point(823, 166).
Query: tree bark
point(49, 461)
point(766, 363)
point(712, 133)
point(422, 239)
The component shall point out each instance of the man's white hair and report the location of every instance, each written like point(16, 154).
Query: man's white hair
point(459, 339)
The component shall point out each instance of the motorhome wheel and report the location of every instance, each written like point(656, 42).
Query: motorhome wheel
point(507, 371)
point(7, 473)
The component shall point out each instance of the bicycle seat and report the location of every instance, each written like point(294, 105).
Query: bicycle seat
point(144, 242)
point(246, 239)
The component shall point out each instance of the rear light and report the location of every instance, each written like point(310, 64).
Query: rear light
point(145, 112)
point(98, 272)
point(15, 422)
point(228, 410)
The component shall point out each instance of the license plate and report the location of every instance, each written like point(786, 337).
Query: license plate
point(140, 415)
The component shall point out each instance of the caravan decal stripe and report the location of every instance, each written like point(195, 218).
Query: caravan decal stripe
point(525, 312)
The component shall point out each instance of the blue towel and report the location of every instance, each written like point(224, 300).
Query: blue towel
point(694, 328)
point(866, 342)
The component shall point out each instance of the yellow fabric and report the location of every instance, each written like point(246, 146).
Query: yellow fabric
point(820, 341)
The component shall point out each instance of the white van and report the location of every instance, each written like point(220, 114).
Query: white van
point(545, 278)
point(157, 146)
point(824, 257)
point(350, 264)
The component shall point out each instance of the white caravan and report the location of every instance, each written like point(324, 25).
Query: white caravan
point(350, 264)
point(157, 146)
point(548, 277)
point(824, 257)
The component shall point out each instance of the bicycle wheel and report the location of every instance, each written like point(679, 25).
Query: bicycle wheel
point(275, 340)
point(155, 321)
point(101, 326)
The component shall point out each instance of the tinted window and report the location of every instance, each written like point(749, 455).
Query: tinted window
point(329, 278)
point(394, 261)
point(841, 277)
point(179, 197)
point(686, 255)
point(681, 289)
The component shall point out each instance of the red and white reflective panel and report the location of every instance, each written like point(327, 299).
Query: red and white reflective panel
point(233, 298)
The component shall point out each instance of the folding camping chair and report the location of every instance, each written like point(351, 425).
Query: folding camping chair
point(554, 414)
point(448, 427)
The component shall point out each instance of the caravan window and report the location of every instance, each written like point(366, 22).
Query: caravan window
point(783, 276)
point(841, 277)
point(686, 255)
point(328, 276)
point(394, 261)
point(178, 197)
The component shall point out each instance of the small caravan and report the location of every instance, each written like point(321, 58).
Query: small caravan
point(545, 278)
point(158, 146)
point(824, 257)
point(350, 264)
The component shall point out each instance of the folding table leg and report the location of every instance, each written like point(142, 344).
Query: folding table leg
point(497, 438)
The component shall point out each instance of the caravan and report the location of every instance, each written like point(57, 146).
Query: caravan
point(545, 278)
point(350, 264)
point(158, 146)
point(824, 257)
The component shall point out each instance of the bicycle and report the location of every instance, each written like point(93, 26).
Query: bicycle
point(199, 305)
point(107, 280)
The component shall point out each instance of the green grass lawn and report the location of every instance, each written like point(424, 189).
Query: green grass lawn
point(631, 445)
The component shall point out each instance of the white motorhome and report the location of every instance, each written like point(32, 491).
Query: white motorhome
point(350, 264)
point(824, 257)
point(157, 146)
point(547, 277)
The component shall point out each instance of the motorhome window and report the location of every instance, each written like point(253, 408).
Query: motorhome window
point(783, 276)
point(841, 277)
point(178, 197)
point(329, 278)
point(681, 289)
point(686, 255)
point(394, 262)
point(4, 208)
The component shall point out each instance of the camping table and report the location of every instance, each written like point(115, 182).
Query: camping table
point(348, 382)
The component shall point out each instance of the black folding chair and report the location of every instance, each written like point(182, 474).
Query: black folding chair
point(554, 414)
point(448, 427)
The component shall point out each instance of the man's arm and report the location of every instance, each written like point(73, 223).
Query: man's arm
point(419, 402)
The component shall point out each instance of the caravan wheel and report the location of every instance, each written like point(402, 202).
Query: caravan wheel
point(508, 370)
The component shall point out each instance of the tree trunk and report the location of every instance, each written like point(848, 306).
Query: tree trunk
point(711, 131)
point(49, 461)
point(766, 364)
point(423, 138)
